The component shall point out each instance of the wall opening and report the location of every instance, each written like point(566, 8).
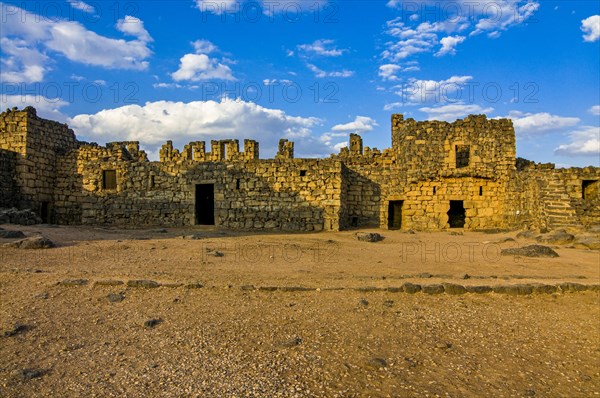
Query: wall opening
point(302, 173)
point(462, 155)
point(237, 184)
point(45, 212)
point(354, 222)
point(395, 214)
point(589, 189)
point(205, 204)
point(152, 182)
point(434, 190)
point(109, 179)
point(456, 214)
point(480, 191)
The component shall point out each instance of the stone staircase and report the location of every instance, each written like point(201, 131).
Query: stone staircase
point(557, 205)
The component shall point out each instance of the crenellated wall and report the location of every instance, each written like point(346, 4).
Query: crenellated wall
point(436, 175)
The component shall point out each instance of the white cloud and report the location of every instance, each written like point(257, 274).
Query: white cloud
point(27, 37)
point(322, 47)
point(48, 108)
point(531, 123)
point(416, 91)
point(452, 112)
point(448, 45)
point(204, 47)
point(388, 71)
point(156, 122)
point(82, 6)
point(360, 124)
point(591, 27)
point(595, 110)
point(135, 27)
point(584, 142)
point(21, 63)
point(166, 85)
point(486, 16)
point(319, 73)
point(500, 15)
point(200, 67)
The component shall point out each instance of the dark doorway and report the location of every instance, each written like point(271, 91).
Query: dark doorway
point(45, 212)
point(456, 214)
point(205, 204)
point(395, 214)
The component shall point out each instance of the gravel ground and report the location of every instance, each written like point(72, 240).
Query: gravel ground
point(62, 334)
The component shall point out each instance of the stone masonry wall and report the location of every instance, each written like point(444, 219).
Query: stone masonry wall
point(37, 143)
point(421, 170)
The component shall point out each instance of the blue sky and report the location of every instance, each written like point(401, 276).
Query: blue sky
point(310, 71)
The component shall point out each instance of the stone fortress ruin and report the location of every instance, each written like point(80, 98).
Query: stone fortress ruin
point(435, 176)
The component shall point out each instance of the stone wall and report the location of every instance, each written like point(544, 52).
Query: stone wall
point(436, 175)
point(38, 143)
point(276, 194)
point(421, 171)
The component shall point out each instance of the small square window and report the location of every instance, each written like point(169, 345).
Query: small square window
point(462, 155)
point(109, 179)
point(302, 173)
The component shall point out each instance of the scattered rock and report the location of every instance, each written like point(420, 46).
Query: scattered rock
point(17, 329)
point(425, 275)
point(368, 289)
point(451, 288)
point(28, 374)
point(193, 237)
point(296, 289)
point(364, 302)
point(268, 288)
point(73, 282)
point(443, 346)
point(572, 287)
point(248, 287)
point(20, 217)
point(195, 285)
point(214, 253)
point(6, 234)
point(560, 237)
point(530, 251)
point(395, 289)
point(513, 290)
point(455, 233)
point(369, 237)
point(529, 393)
point(411, 288)
point(41, 296)
point(378, 363)
point(544, 289)
point(144, 283)
point(464, 276)
point(433, 289)
point(587, 242)
point(526, 235)
point(410, 232)
point(108, 282)
point(478, 289)
point(35, 242)
point(293, 342)
point(151, 323)
point(115, 297)
point(388, 303)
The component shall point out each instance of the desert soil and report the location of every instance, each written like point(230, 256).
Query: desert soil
point(231, 318)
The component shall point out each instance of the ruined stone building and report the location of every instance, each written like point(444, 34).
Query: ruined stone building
point(436, 175)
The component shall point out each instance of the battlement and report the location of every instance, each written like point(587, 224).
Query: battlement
point(436, 175)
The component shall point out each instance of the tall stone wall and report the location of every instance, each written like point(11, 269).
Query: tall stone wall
point(434, 173)
point(290, 194)
point(422, 171)
point(37, 143)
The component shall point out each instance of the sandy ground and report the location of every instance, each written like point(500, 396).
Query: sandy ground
point(237, 336)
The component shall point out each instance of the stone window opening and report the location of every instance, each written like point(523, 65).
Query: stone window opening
point(302, 173)
point(462, 155)
point(434, 190)
point(152, 182)
point(589, 189)
point(109, 179)
point(480, 191)
point(237, 184)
